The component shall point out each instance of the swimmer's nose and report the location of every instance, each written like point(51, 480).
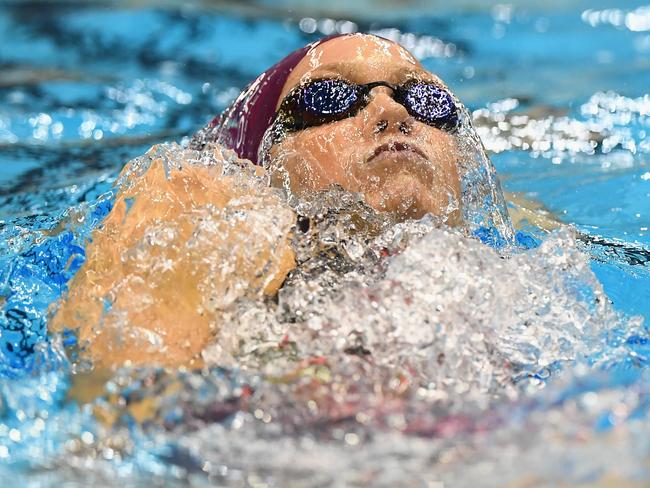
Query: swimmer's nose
point(383, 114)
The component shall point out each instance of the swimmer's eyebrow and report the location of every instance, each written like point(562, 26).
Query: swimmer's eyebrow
point(340, 68)
point(348, 69)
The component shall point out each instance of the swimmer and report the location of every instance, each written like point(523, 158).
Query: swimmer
point(354, 111)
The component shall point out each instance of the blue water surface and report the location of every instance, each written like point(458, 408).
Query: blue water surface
point(86, 86)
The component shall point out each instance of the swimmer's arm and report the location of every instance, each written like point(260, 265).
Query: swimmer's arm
point(524, 210)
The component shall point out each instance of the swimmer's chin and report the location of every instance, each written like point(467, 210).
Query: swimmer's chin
point(407, 198)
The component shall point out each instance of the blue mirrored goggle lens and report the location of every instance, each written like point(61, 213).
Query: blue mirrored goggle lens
point(431, 103)
point(328, 97)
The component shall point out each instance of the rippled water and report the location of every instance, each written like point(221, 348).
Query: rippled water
point(370, 368)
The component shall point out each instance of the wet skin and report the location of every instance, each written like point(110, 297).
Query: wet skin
point(399, 164)
point(367, 153)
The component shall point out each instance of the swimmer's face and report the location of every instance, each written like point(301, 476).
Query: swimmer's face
point(399, 164)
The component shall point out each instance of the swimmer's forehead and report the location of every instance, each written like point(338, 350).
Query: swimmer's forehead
point(361, 59)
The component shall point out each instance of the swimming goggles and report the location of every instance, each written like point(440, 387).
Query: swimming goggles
point(328, 100)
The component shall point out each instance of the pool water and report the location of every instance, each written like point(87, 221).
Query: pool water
point(559, 95)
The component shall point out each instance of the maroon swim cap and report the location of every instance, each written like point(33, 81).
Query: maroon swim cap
point(242, 125)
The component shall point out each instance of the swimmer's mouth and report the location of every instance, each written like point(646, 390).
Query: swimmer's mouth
point(396, 147)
